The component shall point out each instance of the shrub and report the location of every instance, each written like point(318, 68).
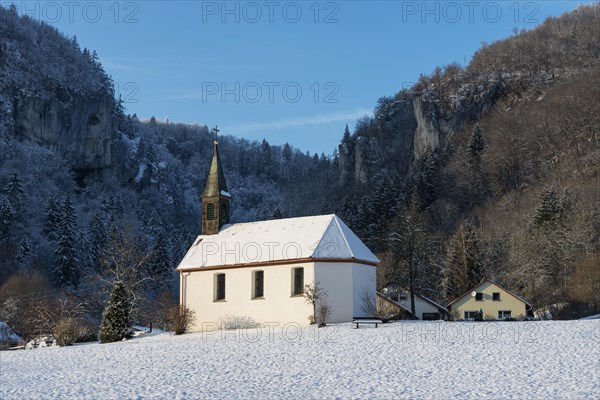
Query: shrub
point(324, 313)
point(68, 331)
point(182, 319)
point(238, 322)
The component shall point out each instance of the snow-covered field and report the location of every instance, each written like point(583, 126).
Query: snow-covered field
point(439, 360)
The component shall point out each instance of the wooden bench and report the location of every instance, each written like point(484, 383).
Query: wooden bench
point(366, 321)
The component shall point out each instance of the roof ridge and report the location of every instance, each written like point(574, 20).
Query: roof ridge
point(321, 236)
point(335, 218)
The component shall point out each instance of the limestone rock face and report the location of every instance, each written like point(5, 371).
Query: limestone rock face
point(403, 127)
point(427, 132)
point(82, 132)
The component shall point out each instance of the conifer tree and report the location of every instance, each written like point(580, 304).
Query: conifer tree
point(24, 251)
point(426, 179)
point(6, 220)
point(477, 186)
point(549, 207)
point(277, 214)
point(347, 139)
point(51, 218)
point(66, 271)
point(476, 144)
point(98, 238)
point(14, 192)
point(162, 262)
point(116, 323)
point(287, 153)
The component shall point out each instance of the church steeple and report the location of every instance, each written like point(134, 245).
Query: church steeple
point(215, 197)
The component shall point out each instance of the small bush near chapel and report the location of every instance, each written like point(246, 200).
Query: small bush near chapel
point(182, 319)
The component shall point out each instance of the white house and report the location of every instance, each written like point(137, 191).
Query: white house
point(259, 269)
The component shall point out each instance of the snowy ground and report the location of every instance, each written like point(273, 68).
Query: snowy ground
point(439, 360)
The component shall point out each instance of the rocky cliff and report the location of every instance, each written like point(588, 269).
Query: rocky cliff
point(64, 103)
point(406, 125)
point(82, 132)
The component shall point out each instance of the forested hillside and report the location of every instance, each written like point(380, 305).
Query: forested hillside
point(489, 169)
point(497, 164)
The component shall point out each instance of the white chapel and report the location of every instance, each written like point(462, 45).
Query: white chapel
point(259, 269)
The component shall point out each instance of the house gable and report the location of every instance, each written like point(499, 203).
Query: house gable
point(491, 300)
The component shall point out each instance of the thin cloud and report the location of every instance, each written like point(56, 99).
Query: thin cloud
point(298, 122)
point(115, 65)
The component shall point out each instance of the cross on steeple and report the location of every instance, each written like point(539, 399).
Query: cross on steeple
point(215, 197)
point(216, 131)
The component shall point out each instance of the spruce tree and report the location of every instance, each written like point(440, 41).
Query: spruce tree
point(51, 218)
point(162, 262)
point(6, 220)
point(287, 153)
point(477, 186)
point(277, 214)
point(24, 251)
point(426, 179)
point(549, 207)
point(115, 323)
point(14, 192)
point(347, 139)
point(66, 263)
point(98, 239)
point(476, 144)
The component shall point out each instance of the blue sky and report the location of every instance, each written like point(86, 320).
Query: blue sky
point(286, 71)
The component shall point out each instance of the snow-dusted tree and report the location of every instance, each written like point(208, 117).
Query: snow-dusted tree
point(476, 145)
point(52, 217)
point(66, 266)
point(14, 192)
point(6, 220)
point(24, 252)
point(161, 264)
point(549, 207)
point(475, 183)
point(463, 268)
point(97, 237)
point(116, 323)
point(426, 179)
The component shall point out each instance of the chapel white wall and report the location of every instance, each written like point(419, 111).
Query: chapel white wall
point(278, 305)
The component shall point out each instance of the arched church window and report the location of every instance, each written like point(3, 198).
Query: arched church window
point(210, 211)
point(224, 212)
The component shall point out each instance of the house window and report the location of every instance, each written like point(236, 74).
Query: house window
point(504, 314)
point(220, 287)
point(298, 281)
point(431, 316)
point(496, 296)
point(471, 315)
point(259, 284)
point(403, 296)
point(210, 211)
point(478, 296)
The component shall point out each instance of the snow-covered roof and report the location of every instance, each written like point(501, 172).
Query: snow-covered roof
point(420, 296)
point(323, 237)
